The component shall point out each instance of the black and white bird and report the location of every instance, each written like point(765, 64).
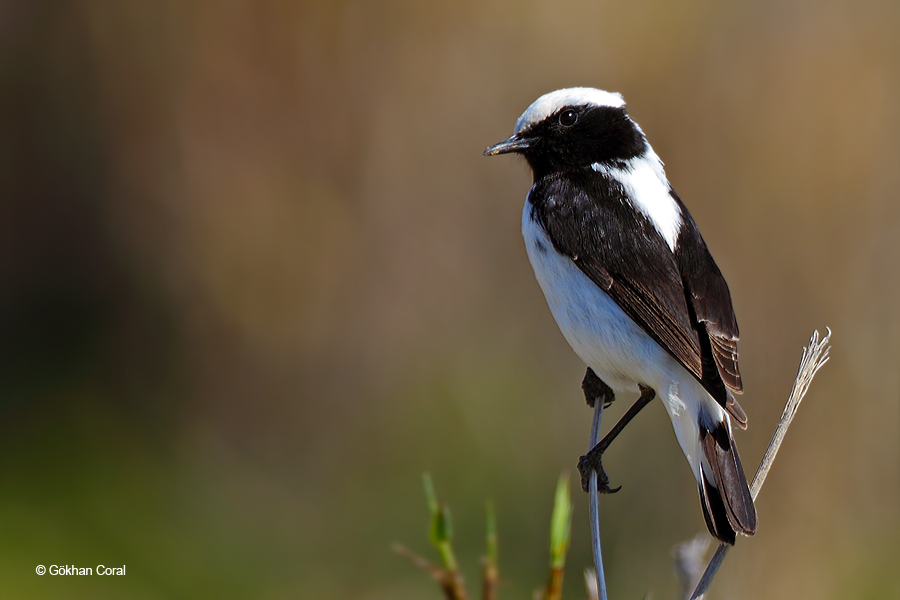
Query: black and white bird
point(633, 286)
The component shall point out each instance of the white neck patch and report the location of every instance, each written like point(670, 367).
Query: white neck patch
point(548, 104)
point(645, 183)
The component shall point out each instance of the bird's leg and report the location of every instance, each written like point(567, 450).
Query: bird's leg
point(592, 461)
point(594, 388)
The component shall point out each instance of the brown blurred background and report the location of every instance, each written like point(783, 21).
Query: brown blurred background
point(255, 277)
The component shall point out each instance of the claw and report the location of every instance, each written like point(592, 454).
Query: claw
point(592, 462)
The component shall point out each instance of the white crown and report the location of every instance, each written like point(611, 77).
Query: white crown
point(548, 104)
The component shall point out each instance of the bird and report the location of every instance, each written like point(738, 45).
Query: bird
point(633, 287)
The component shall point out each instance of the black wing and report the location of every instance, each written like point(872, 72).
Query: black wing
point(688, 313)
point(710, 299)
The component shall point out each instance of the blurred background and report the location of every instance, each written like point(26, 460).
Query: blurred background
point(256, 277)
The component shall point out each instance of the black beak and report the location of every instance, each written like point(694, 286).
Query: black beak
point(513, 144)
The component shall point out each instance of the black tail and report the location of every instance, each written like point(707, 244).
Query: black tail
point(724, 494)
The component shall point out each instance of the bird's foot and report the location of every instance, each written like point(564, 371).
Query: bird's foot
point(592, 461)
point(594, 388)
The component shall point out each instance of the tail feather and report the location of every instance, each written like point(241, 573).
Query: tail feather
point(725, 496)
point(714, 512)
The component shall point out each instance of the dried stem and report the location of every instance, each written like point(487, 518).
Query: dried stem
point(814, 356)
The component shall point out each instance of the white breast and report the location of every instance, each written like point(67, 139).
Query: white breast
point(599, 331)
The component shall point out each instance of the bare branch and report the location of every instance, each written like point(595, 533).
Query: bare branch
point(595, 503)
point(814, 356)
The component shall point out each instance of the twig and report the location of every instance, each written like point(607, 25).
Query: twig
point(595, 502)
point(814, 356)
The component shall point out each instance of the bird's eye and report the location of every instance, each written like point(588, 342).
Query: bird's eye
point(568, 117)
